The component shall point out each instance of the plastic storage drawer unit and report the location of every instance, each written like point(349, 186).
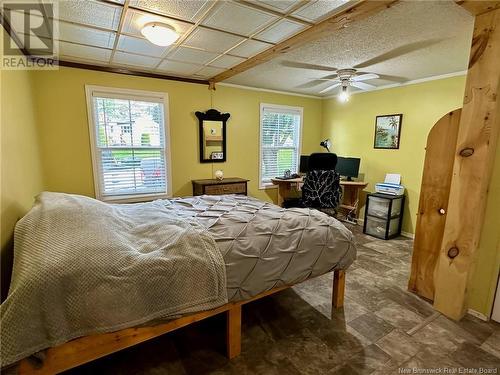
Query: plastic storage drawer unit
point(383, 215)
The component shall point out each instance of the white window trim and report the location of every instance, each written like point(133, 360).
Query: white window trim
point(128, 94)
point(283, 108)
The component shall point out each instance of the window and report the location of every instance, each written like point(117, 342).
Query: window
point(129, 138)
point(280, 130)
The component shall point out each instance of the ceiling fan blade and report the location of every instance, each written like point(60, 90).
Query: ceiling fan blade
point(399, 51)
point(364, 77)
point(295, 64)
point(362, 85)
point(392, 78)
point(310, 84)
point(330, 88)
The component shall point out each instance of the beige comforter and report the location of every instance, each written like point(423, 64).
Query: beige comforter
point(82, 266)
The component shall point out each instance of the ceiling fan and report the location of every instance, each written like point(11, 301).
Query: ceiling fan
point(346, 78)
point(352, 77)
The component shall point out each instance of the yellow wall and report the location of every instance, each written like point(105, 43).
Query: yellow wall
point(21, 175)
point(351, 128)
point(483, 281)
point(64, 138)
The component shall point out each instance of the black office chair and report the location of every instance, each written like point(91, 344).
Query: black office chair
point(321, 189)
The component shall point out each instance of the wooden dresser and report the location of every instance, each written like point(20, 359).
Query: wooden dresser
point(233, 185)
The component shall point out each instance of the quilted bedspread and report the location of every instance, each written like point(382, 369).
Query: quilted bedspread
point(265, 246)
point(82, 266)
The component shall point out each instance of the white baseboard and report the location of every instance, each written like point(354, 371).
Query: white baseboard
point(408, 235)
point(478, 315)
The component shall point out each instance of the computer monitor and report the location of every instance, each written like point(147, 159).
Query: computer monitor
point(304, 164)
point(348, 167)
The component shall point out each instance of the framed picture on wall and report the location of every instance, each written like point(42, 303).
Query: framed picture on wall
point(387, 131)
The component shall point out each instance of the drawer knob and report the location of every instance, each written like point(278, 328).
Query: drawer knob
point(442, 211)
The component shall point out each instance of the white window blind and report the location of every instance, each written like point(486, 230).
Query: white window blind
point(129, 143)
point(280, 130)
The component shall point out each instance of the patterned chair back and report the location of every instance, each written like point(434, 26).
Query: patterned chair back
point(322, 189)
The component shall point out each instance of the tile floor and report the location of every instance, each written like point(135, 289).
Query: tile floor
point(383, 329)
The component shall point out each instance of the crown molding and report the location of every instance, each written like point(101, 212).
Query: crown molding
point(267, 90)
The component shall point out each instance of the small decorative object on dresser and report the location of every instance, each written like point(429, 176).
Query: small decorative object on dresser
point(234, 185)
point(219, 174)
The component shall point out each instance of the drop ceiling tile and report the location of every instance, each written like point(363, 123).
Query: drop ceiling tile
point(192, 55)
point(280, 31)
point(250, 48)
point(189, 10)
point(135, 20)
point(282, 6)
point(209, 72)
point(178, 67)
point(211, 40)
point(237, 18)
point(319, 9)
point(141, 46)
point(91, 13)
point(83, 52)
point(80, 34)
point(129, 59)
point(227, 61)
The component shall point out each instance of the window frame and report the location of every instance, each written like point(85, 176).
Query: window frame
point(127, 94)
point(284, 108)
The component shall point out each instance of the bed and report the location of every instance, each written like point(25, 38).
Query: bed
point(252, 248)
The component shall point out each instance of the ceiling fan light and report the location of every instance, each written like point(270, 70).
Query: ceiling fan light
point(160, 34)
point(344, 95)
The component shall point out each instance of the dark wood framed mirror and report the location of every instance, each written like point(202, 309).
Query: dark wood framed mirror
point(212, 125)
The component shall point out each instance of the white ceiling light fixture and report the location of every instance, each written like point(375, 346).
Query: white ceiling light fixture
point(347, 78)
point(344, 94)
point(159, 33)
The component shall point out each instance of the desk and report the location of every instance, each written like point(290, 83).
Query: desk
point(284, 187)
point(350, 198)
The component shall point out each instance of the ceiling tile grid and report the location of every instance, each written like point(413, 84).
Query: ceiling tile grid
point(281, 31)
point(91, 13)
point(132, 60)
point(237, 18)
point(189, 10)
point(178, 68)
point(411, 39)
point(213, 34)
point(319, 9)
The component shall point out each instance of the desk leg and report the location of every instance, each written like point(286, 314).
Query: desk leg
point(281, 194)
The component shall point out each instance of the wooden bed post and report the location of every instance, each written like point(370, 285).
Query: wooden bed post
point(233, 340)
point(338, 289)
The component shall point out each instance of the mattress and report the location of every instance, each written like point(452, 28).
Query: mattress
point(265, 246)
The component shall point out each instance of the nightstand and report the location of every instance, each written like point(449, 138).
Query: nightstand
point(233, 185)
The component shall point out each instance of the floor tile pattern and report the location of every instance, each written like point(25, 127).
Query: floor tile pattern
point(383, 329)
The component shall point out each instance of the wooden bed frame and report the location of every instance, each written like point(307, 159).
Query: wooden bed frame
point(89, 348)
